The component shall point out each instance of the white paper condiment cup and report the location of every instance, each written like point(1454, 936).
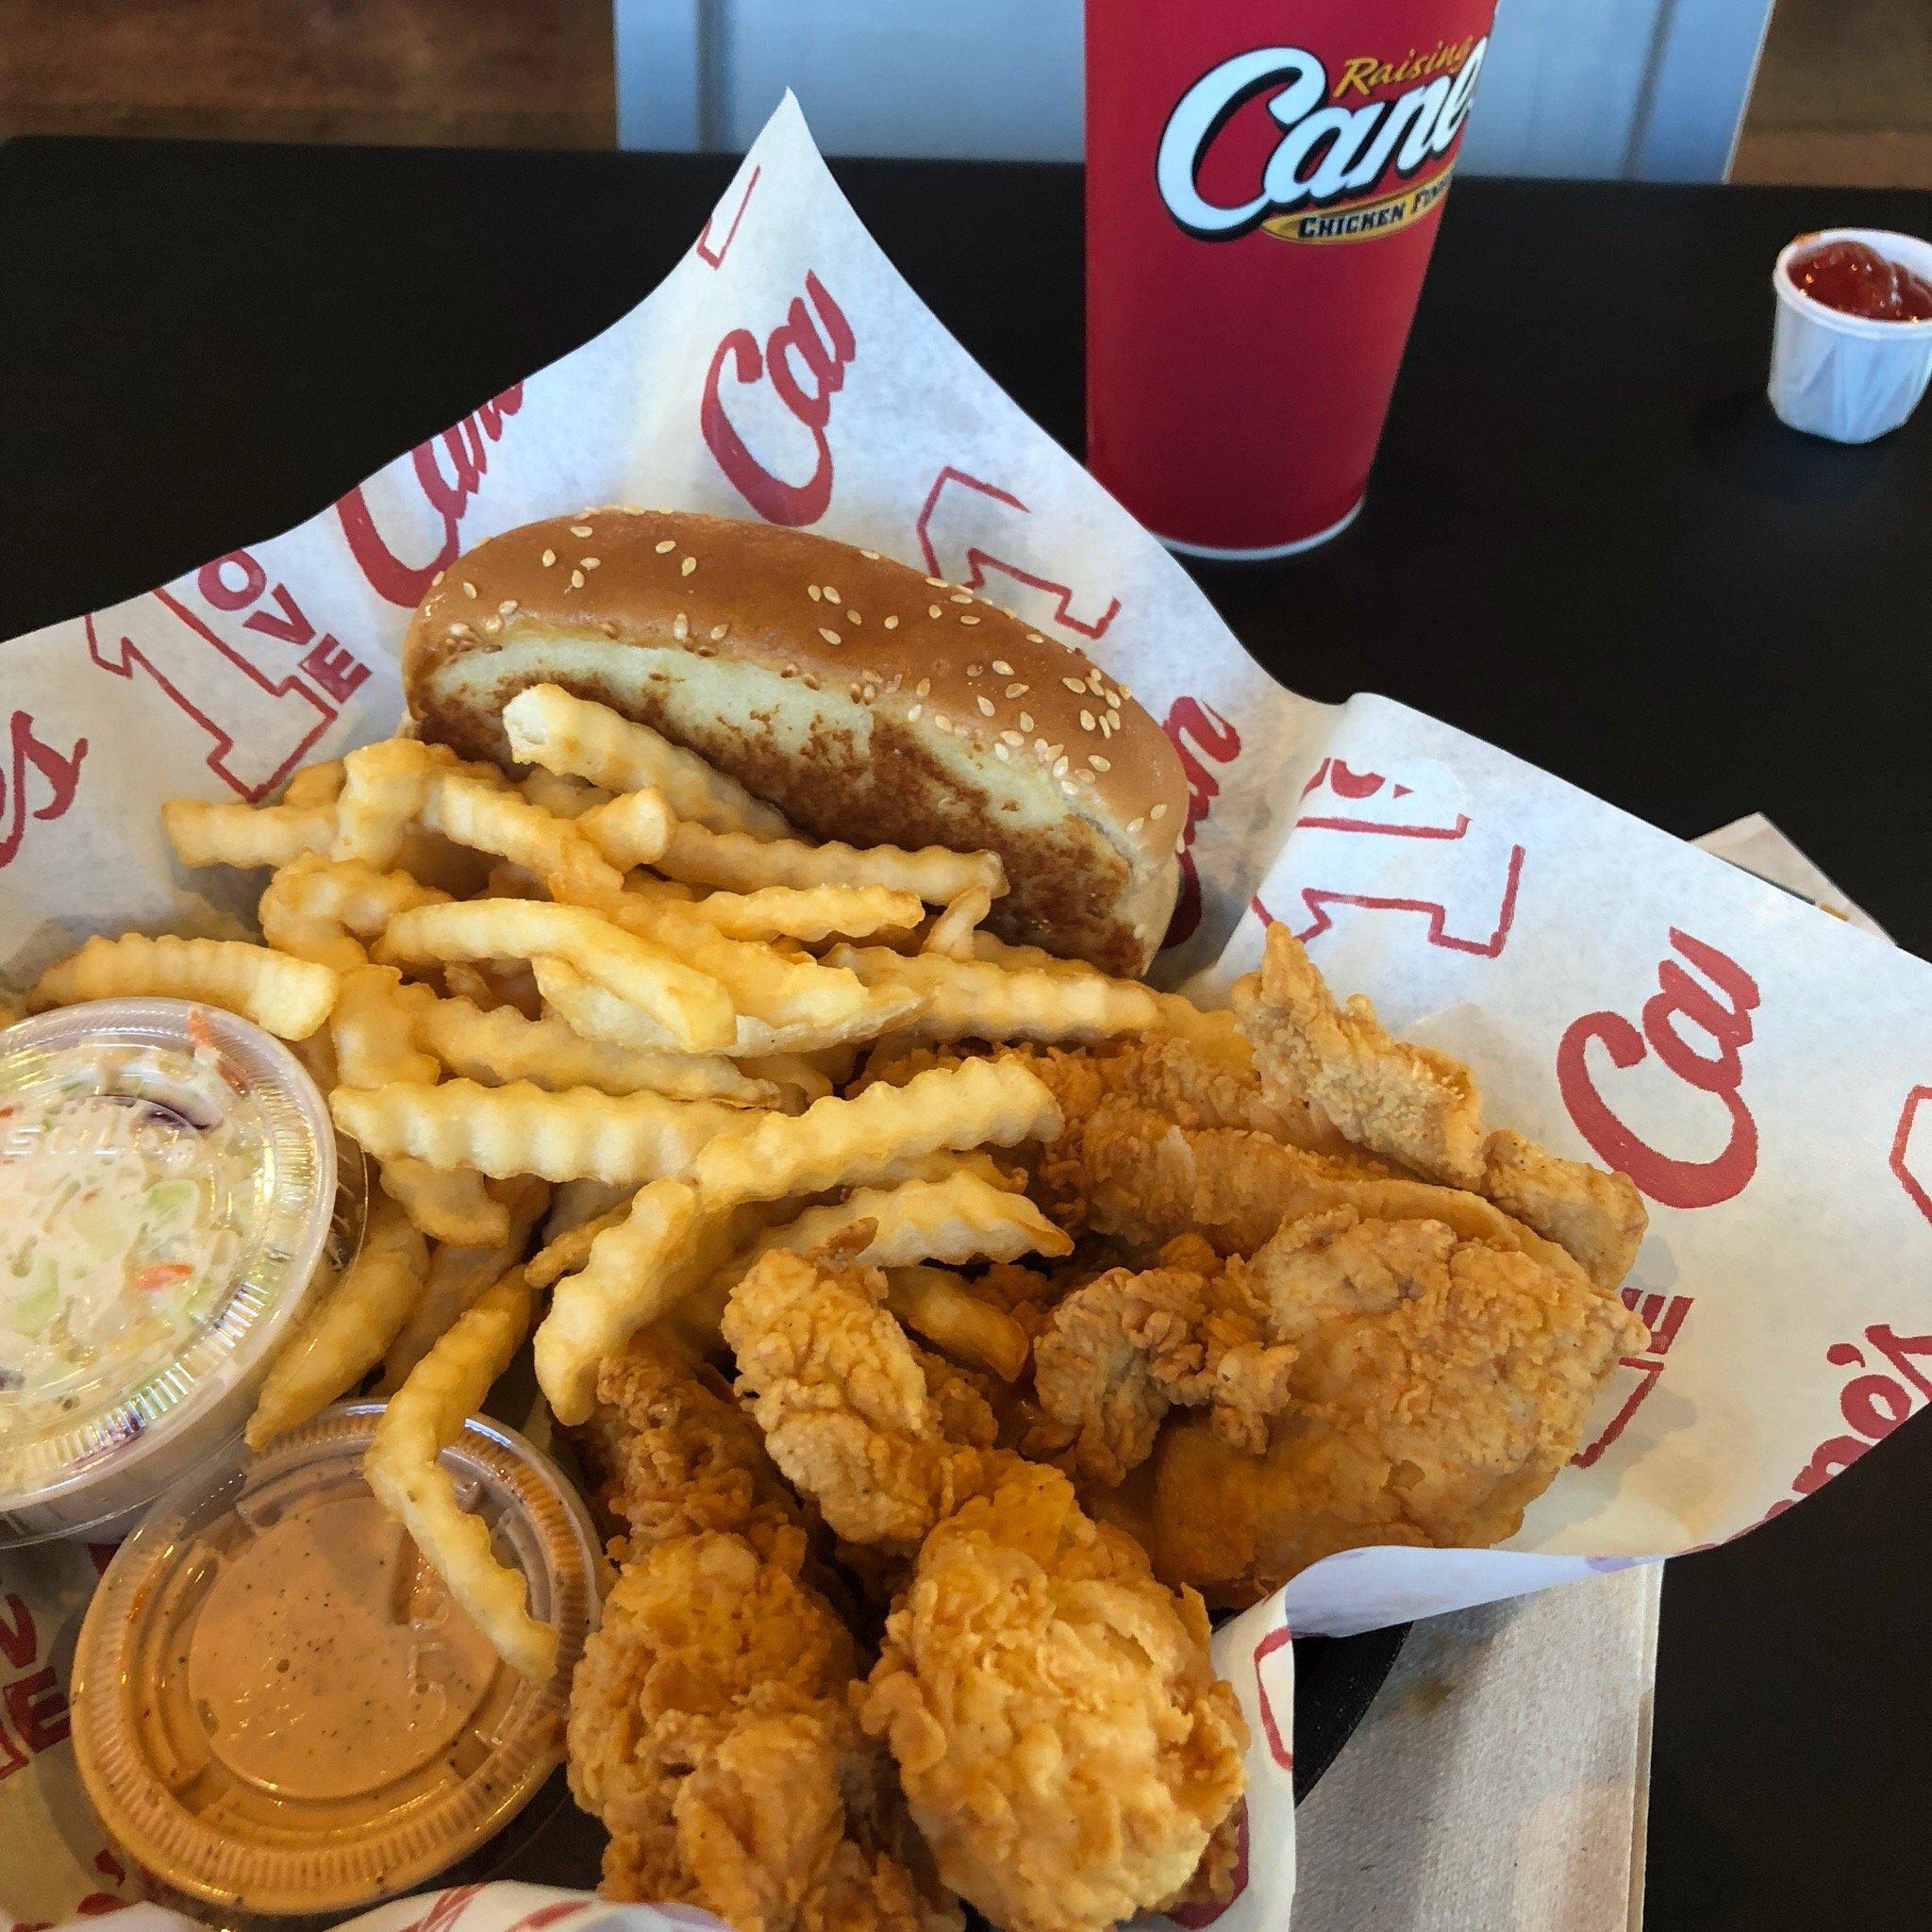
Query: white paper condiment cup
point(1846, 376)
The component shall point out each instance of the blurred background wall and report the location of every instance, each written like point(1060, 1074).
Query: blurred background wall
point(1654, 88)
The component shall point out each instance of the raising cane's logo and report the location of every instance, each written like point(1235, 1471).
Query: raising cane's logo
point(1362, 151)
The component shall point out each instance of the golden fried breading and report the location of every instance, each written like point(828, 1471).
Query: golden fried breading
point(1063, 1744)
point(1410, 1103)
point(1599, 1217)
point(1438, 1384)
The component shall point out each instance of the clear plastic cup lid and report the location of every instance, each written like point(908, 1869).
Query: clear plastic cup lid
point(168, 1191)
point(278, 1704)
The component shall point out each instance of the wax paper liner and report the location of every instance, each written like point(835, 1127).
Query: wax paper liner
point(1762, 1071)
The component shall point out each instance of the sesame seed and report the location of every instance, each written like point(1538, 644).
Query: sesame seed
point(580, 530)
point(669, 544)
point(1158, 813)
point(912, 712)
point(938, 583)
point(1026, 719)
point(681, 627)
point(588, 562)
point(892, 624)
point(687, 565)
point(1001, 753)
point(438, 578)
point(1094, 683)
point(832, 592)
point(1068, 786)
point(853, 617)
point(508, 604)
point(941, 723)
point(933, 610)
point(1018, 691)
point(1086, 721)
point(809, 682)
point(1002, 667)
point(469, 589)
point(1014, 737)
point(1113, 701)
point(925, 686)
point(1041, 747)
point(1180, 845)
point(831, 637)
point(703, 651)
point(492, 624)
point(790, 671)
point(1074, 685)
point(968, 620)
point(718, 630)
point(460, 630)
point(974, 670)
point(1099, 764)
point(1135, 825)
point(869, 556)
point(577, 580)
point(813, 591)
point(1059, 766)
point(962, 596)
point(986, 708)
point(1033, 636)
point(549, 558)
point(609, 628)
point(1127, 690)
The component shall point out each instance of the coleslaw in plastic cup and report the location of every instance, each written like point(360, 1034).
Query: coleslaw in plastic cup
point(171, 1194)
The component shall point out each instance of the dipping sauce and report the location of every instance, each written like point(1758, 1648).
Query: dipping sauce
point(278, 1705)
point(170, 1195)
point(1856, 279)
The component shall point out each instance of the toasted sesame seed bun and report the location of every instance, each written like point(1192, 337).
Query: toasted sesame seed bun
point(868, 703)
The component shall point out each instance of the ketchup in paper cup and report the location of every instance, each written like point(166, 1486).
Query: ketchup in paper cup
point(1851, 350)
point(171, 1191)
point(280, 1710)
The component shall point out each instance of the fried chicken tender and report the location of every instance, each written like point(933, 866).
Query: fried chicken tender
point(884, 1439)
point(1419, 1108)
point(1414, 1105)
point(1126, 1347)
point(676, 1456)
point(1063, 1744)
point(710, 1731)
point(1438, 1385)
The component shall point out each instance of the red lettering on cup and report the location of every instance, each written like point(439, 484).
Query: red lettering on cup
point(1202, 737)
point(1720, 1011)
point(803, 360)
point(449, 468)
point(58, 772)
point(962, 516)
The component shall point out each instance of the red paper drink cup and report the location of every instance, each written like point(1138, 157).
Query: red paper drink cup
point(1263, 189)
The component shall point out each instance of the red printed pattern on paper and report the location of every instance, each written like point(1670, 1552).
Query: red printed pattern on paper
point(963, 515)
point(1202, 737)
point(1721, 1011)
point(464, 449)
point(1663, 1315)
point(1467, 877)
point(800, 350)
point(702, 248)
point(33, 1704)
point(59, 775)
point(1872, 1404)
point(1910, 1158)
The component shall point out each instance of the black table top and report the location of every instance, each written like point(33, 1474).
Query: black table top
point(1587, 541)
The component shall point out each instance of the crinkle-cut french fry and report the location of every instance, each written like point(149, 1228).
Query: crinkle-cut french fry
point(632, 829)
point(598, 1014)
point(286, 997)
point(576, 739)
point(763, 983)
point(458, 1276)
point(384, 786)
point(507, 881)
point(694, 1012)
point(324, 909)
point(424, 1416)
point(572, 1202)
point(793, 1073)
point(700, 857)
point(489, 985)
point(339, 1340)
point(10, 1009)
point(374, 1028)
point(521, 1130)
point(450, 1205)
point(319, 784)
point(954, 1219)
point(571, 1249)
point(999, 952)
point(206, 833)
point(489, 819)
point(951, 931)
point(971, 999)
point(948, 1314)
point(569, 798)
point(641, 1264)
point(500, 1046)
point(808, 912)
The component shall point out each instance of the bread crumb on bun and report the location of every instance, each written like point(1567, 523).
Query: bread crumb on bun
point(867, 701)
